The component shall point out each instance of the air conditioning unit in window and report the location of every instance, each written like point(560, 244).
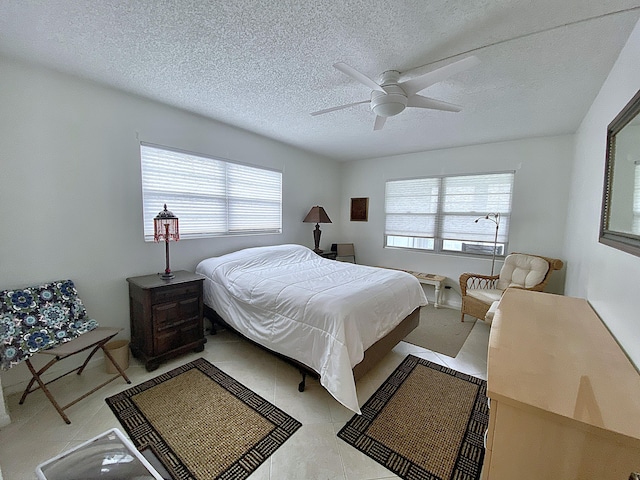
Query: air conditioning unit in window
point(482, 249)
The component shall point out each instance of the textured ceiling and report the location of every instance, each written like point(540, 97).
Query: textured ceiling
point(265, 65)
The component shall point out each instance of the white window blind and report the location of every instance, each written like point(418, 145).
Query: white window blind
point(465, 198)
point(411, 207)
point(635, 229)
point(211, 197)
point(439, 213)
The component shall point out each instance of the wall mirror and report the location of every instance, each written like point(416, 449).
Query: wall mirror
point(620, 220)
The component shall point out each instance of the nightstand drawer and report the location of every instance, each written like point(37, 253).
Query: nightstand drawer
point(182, 334)
point(173, 293)
point(171, 314)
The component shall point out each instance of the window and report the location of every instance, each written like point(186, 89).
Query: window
point(635, 228)
point(211, 197)
point(439, 213)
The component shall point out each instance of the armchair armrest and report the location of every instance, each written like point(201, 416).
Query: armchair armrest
point(474, 280)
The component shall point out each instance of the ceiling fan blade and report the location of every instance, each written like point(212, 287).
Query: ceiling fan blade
point(417, 84)
point(340, 107)
point(425, 102)
point(356, 75)
point(379, 122)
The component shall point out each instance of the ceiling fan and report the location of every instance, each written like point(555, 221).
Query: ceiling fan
point(389, 98)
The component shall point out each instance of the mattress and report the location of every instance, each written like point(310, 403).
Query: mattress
point(322, 313)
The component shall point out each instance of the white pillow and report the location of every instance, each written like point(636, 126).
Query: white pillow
point(522, 270)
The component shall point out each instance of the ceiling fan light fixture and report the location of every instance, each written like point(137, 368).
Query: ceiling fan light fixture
point(388, 104)
point(388, 109)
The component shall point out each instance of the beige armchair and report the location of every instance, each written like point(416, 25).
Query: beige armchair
point(520, 270)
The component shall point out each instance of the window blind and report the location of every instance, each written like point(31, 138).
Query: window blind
point(411, 207)
point(211, 197)
point(445, 209)
point(465, 198)
point(635, 229)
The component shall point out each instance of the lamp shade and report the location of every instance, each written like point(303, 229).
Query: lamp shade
point(165, 226)
point(317, 215)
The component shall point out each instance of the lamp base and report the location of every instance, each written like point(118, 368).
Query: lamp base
point(167, 276)
point(316, 238)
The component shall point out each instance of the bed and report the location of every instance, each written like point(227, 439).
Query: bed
point(335, 318)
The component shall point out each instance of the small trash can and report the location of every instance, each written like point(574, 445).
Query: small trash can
point(119, 350)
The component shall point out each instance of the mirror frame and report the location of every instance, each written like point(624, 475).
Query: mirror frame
point(626, 242)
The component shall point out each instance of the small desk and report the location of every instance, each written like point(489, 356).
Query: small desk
point(428, 279)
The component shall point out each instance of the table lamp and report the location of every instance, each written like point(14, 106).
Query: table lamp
point(165, 227)
point(317, 215)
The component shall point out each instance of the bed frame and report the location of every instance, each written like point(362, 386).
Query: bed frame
point(372, 355)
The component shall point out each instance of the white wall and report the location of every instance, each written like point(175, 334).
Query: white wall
point(540, 197)
point(70, 187)
point(607, 277)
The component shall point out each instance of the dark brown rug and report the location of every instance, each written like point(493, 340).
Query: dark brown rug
point(201, 423)
point(426, 422)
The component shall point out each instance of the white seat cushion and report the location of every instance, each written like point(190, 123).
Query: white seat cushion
point(522, 270)
point(491, 312)
point(486, 295)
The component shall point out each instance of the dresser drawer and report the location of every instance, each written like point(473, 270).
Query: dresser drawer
point(162, 295)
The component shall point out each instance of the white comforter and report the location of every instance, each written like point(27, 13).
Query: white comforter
point(321, 312)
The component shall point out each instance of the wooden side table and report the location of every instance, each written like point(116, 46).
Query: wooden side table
point(330, 254)
point(431, 279)
point(428, 279)
point(166, 316)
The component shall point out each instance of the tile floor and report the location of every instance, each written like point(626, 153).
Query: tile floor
point(37, 432)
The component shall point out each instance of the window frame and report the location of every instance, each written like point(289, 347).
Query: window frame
point(438, 240)
point(222, 200)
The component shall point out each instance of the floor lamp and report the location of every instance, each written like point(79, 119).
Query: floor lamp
point(495, 218)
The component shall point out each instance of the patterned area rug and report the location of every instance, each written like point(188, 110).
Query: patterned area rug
point(426, 422)
point(201, 423)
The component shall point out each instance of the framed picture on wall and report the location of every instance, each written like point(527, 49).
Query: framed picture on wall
point(359, 209)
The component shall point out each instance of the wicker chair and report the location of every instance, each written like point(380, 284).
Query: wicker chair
point(520, 270)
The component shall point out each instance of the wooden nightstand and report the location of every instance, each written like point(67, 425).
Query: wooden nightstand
point(331, 255)
point(166, 317)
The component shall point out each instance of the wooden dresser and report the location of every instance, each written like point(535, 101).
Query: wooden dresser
point(166, 316)
point(564, 398)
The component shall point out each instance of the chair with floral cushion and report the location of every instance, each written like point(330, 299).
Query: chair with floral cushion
point(520, 270)
point(50, 319)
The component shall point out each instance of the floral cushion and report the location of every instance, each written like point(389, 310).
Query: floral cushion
point(40, 317)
